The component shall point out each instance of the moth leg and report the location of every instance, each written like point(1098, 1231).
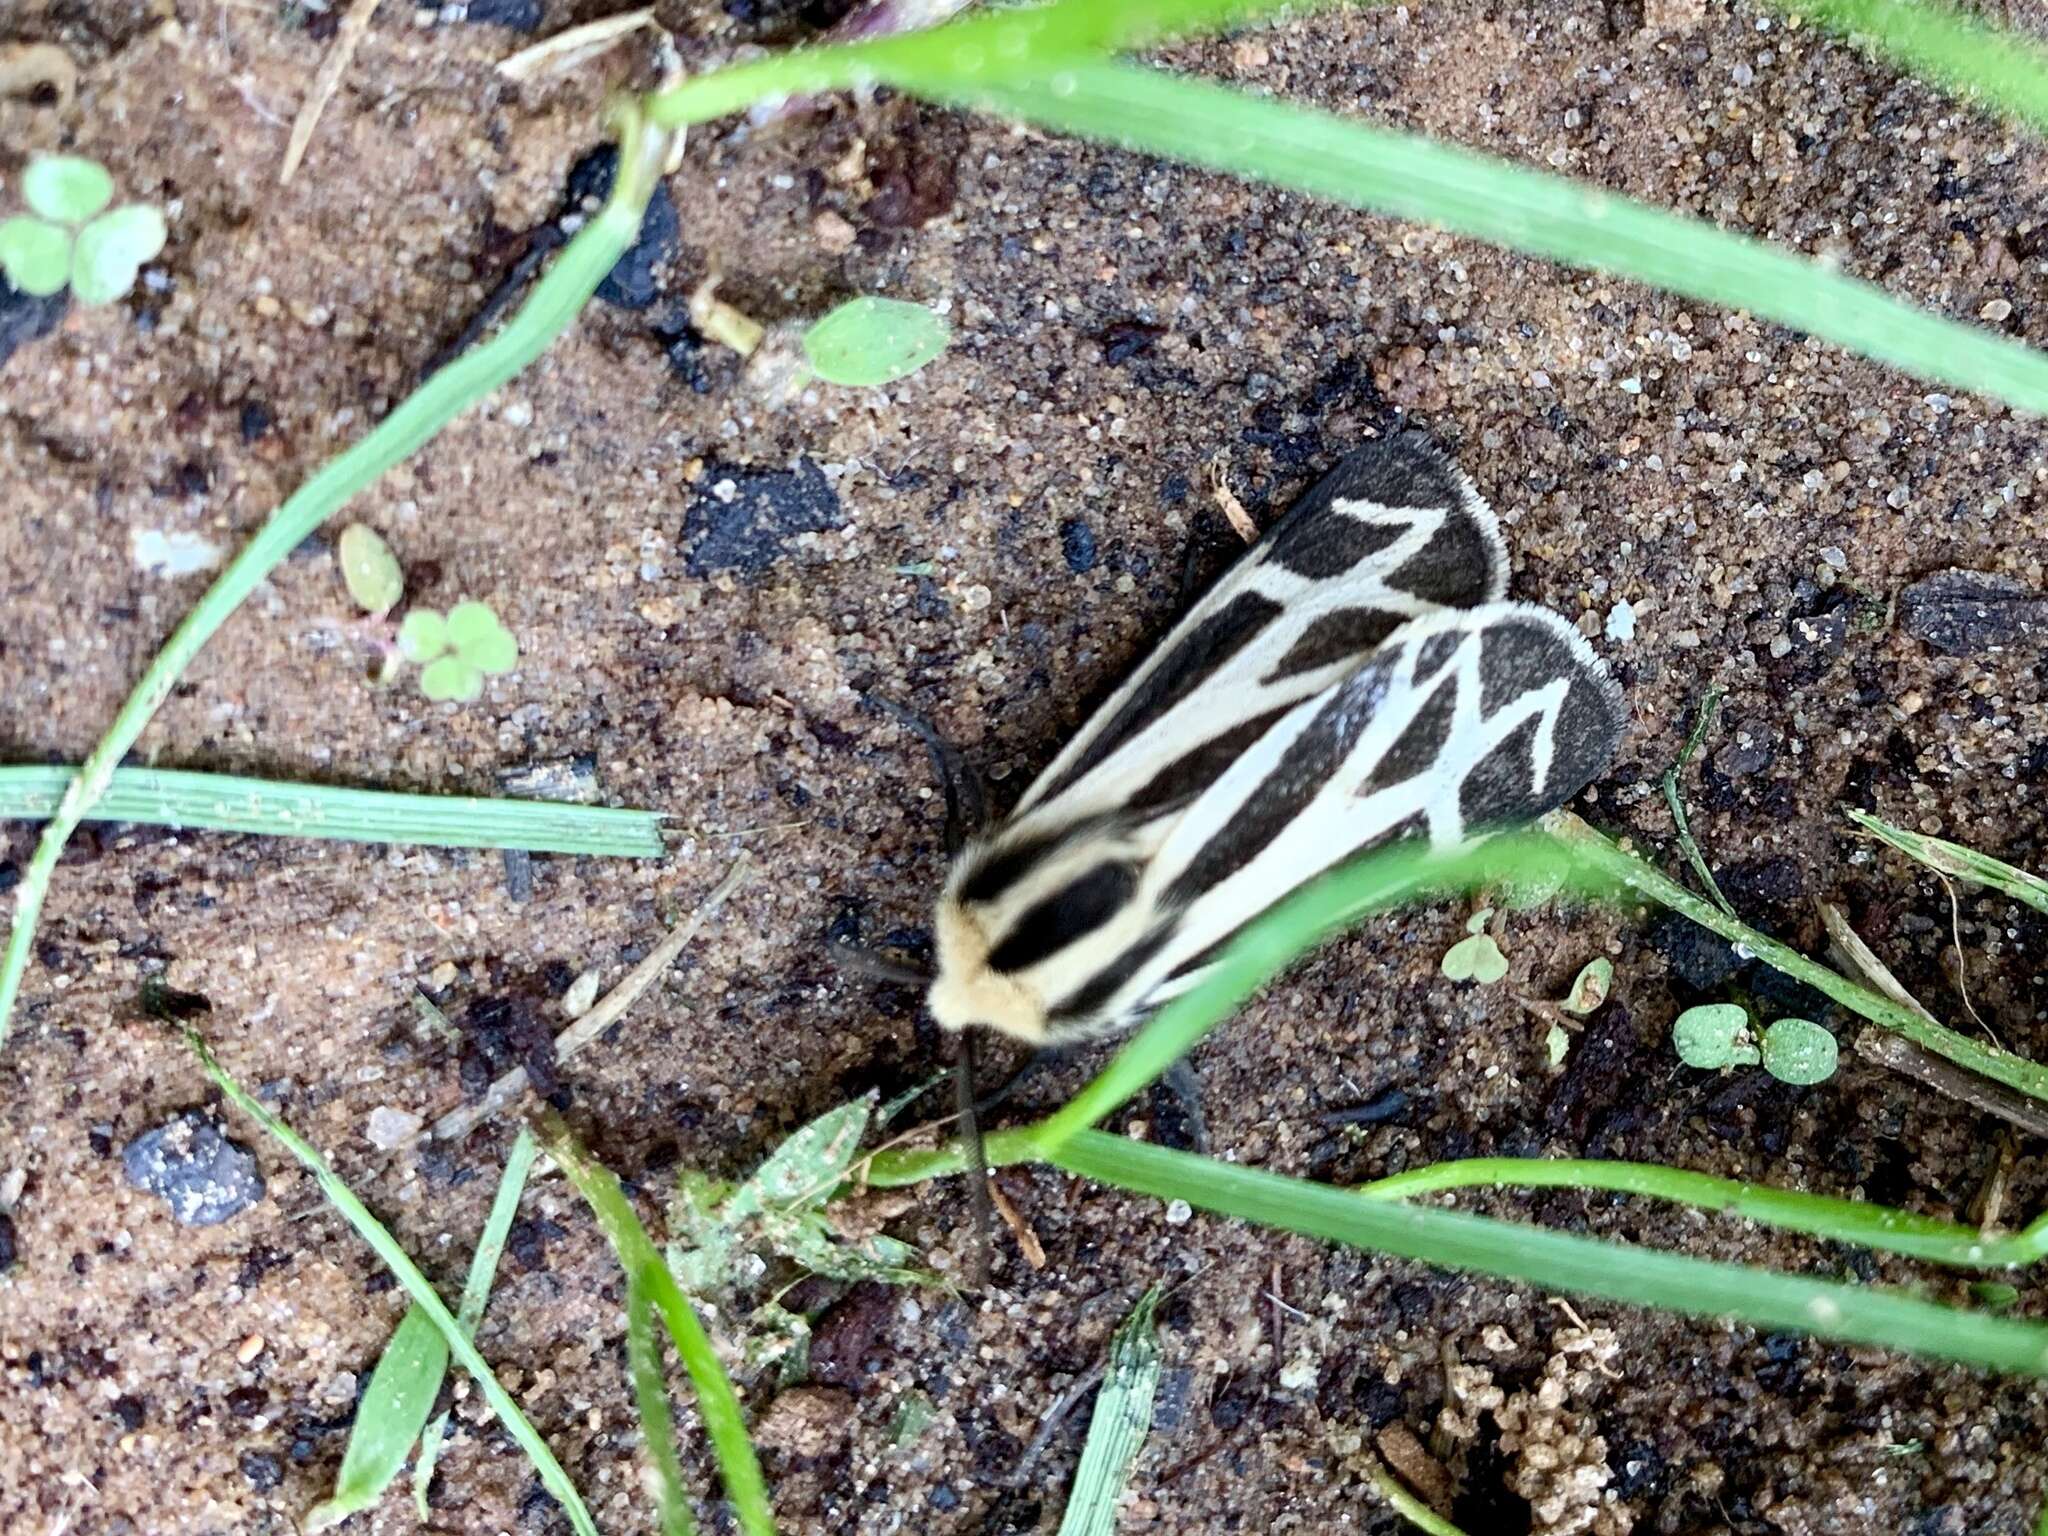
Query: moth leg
point(1179, 1093)
point(966, 795)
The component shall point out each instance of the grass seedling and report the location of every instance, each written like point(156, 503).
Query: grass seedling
point(1956, 861)
point(71, 238)
point(416, 1285)
point(392, 1416)
point(1119, 1425)
point(217, 802)
point(1709, 708)
point(651, 1285)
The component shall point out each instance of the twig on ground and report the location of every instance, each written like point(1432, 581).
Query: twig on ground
point(577, 45)
point(1233, 510)
point(326, 81)
point(608, 1010)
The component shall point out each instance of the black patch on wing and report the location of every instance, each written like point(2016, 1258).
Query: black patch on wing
point(998, 868)
point(1453, 568)
point(1419, 745)
point(1517, 653)
point(1194, 771)
point(1083, 905)
point(1179, 672)
point(1500, 789)
point(1346, 634)
point(1094, 994)
point(1302, 771)
point(1403, 471)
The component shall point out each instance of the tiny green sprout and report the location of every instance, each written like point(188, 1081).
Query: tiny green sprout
point(69, 236)
point(1714, 1035)
point(870, 341)
point(457, 652)
point(1800, 1052)
point(1996, 1294)
point(1475, 958)
point(1590, 989)
point(1557, 1044)
point(370, 570)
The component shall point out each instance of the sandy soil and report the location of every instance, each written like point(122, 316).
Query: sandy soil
point(1124, 326)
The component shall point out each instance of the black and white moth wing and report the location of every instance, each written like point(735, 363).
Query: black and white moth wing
point(1459, 724)
point(1394, 532)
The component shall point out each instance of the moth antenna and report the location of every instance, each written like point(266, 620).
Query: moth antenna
point(975, 1156)
point(966, 796)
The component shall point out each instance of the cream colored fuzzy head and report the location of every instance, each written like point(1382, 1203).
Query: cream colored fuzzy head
point(966, 993)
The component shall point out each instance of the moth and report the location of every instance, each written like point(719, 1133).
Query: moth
point(1355, 679)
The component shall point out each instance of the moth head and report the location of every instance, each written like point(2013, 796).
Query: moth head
point(968, 992)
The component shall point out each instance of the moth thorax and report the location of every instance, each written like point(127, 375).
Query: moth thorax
point(967, 992)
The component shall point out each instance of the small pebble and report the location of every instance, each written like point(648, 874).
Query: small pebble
point(1179, 1213)
point(582, 994)
point(1621, 623)
point(389, 1129)
point(205, 1177)
point(249, 1348)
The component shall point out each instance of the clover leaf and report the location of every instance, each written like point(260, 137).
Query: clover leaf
point(457, 652)
point(1800, 1052)
point(68, 237)
point(1476, 958)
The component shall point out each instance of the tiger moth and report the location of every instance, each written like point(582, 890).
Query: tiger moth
point(1354, 680)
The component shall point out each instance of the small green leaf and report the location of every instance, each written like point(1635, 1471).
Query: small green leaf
point(423, 636)
point(451, 678)
point(67, 188)
point(1996, 1294)
point(370, 570)
point(1477, 922)
point(1558, 1044)
point(111, 250)
point(869, 341)
point(494, 654)
point(470, 622)
point(1476, 958)
point(35, 256)
point(1712, 1036)
point(1800, 1052)
point(393, 1412)
point(807, 1166)
point(1590, 989)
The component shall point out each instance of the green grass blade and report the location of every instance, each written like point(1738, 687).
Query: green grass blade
point(555, 302)
point(1556, 1261)
point(991, 44)
point(1413, 177)
point(650, 1399)
point(1848, 1221)
point(1997, 67)
point(395, 1404)
point(1598, 855)
point(385, 1246)
point(476, 1291)
point(1119, 1425)
point(717, 1403)
point(1409, 1507)
point(1383, 879)
point(215, 802)
point(1957, 861)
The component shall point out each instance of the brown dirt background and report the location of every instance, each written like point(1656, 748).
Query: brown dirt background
point(1692, 461)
